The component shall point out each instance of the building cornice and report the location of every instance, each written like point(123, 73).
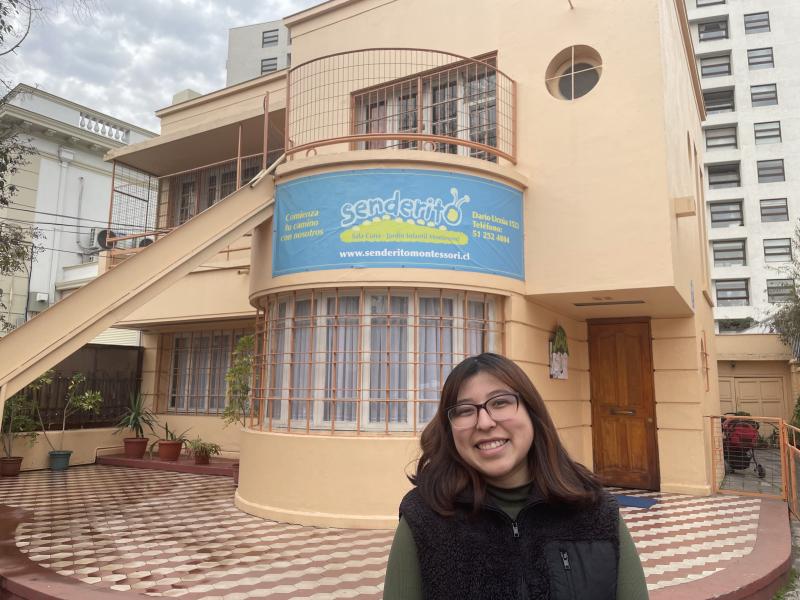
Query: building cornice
point(23, 88)
point(688, 47)
point(103, 143)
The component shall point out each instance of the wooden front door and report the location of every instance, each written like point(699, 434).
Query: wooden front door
point(623, 404)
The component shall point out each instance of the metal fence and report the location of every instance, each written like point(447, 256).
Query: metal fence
point(748, 456)
point(402, 98)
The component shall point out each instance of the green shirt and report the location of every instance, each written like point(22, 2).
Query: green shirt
point(404, 580)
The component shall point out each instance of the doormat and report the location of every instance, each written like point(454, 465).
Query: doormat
point(634, 501)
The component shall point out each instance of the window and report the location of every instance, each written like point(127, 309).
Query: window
point(719, 101)
point(732, 292)
point(735, 325)
point(768, 132)
point(458, 103)
point(713, 30)
point(774, 209)
point(778, 250)
point(756, 22)
point(729, 252)
point(573, 72)
point(199, 362)
point(268, 65)
point(715, 66)
point(764, 95)
point(720, 137)
point(726, 214)
point(760, 58)
point(269, 38)
point(702, 3)
point(366, 359)
point(771, 170)
point(723, 175)
point(779, 290)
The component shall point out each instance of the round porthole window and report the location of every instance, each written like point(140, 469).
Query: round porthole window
point(573, 72)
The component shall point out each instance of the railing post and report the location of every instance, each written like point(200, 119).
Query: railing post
point(238, 159)
point(266, 131)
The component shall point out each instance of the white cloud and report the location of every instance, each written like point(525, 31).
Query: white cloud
point(127, 59)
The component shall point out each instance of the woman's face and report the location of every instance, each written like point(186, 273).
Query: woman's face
point(497, 450)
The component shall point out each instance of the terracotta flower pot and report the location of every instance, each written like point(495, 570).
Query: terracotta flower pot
point(201, 459)
point(169, 449)
point(9, 467)
point(135, 447)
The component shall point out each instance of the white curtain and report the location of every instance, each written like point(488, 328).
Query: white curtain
point(341, 368)
point(435, 352)
point(277, 348)
point(388, 360)
point(302, 376)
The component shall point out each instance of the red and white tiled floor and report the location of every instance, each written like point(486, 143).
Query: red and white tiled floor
point(179, 535)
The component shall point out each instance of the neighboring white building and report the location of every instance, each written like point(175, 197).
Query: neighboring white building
point(64, 191)
point(255, 50)
point(747, 54)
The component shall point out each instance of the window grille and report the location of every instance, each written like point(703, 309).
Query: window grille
point(365, 360)
point(269, 65)
point(726, 214)
point(713, 30)
point(723, 175)
point(732, 292)
point(764, 95)
point(719, 101)
point(778, 250)
point(269, 38)
point(771, 171)
point(198, 363)
point(760, 58)
point(715, 66)
point(779, 290)
point(768, 132)
point(774, 209)
point(756, 22)
point(729, 252)
point(721, 137)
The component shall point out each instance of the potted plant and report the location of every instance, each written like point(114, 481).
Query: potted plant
point(237, 396)
point(88, 401)
point(137, 416)
point(559, 354)
point(203, 451)
point(171, 444)
point(19, 422)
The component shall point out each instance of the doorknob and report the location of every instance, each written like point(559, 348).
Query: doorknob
point(622, 411)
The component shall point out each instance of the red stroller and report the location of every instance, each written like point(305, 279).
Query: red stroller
point(739, 442)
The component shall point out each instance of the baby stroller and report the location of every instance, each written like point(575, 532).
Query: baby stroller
point(739, 442)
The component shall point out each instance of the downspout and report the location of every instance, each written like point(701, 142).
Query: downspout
point(79, 226)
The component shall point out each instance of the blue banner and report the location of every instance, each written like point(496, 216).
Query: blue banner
point(398, 218)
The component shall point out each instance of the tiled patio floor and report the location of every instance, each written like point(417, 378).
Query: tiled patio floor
point(179, 535)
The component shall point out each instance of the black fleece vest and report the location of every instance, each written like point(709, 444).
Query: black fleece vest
point(548, 553)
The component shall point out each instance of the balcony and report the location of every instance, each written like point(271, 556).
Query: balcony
point(402, 98)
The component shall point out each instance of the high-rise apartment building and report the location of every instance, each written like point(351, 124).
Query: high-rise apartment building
point(747, 54)
point(255, 50)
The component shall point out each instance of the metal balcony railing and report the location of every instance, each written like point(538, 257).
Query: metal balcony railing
point(402, 98)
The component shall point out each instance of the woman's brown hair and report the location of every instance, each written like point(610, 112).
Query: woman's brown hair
point(442, 474)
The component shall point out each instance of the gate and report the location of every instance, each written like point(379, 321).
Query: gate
point(756, 456)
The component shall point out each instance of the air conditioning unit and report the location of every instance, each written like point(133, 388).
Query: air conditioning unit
point(101, 239)
point(144, 242)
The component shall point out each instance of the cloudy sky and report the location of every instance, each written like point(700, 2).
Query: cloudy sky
point(127, 58)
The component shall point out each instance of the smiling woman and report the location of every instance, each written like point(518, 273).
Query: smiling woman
point(497, 494)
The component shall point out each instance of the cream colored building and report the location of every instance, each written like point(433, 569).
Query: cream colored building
point(541, 168)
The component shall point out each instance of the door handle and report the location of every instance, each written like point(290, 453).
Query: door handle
point(622, 411)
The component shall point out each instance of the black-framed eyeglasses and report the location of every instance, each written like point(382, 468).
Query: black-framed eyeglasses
point(499, 408)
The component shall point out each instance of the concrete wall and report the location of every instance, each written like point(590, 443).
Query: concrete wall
point(86, 445)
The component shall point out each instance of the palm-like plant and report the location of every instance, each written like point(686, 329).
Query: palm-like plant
point(137, 416)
